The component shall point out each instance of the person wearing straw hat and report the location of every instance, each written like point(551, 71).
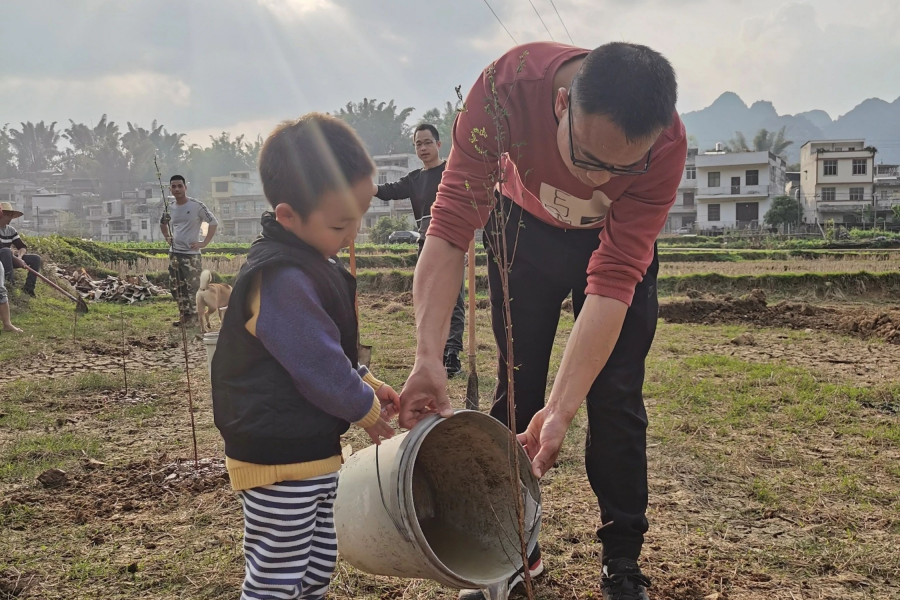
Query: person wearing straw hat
point(13, 248)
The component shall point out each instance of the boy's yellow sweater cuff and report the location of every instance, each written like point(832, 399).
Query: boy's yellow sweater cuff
point(373, 416)
point(372, 381)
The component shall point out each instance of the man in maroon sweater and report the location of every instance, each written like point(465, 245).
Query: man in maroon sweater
point(591, 158)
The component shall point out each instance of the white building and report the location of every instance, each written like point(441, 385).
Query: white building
point(887, 190)
point(736, 189)
point(389, 169)
point(239, 203)
point(13, 191)
point(46, 211)
point(684, 212)
point(836, 180)
point(132, 218)
point(237, 183)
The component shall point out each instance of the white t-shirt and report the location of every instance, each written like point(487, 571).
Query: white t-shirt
point(185, 225)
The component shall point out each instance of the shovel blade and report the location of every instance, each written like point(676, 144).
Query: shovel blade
point(472, 386)
point(365, 354)
point(81, 307)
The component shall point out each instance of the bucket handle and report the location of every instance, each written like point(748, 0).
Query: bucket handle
point(397, 525)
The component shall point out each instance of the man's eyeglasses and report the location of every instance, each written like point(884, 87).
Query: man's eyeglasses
point(598, 166)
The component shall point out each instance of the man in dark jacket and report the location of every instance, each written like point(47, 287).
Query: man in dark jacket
point(420, 186)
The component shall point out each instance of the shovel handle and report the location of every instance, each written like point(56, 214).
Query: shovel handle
point(53, 285)
point(471, 270)
point(353, 272)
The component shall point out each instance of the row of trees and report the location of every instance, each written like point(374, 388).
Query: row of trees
point(123, 158)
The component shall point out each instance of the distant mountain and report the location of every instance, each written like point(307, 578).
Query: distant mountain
point(875, 120)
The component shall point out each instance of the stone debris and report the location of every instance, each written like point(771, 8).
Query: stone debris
point(124, 290)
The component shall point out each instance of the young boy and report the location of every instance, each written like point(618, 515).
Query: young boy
point(285, 378)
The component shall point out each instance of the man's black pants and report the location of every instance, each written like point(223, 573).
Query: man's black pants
point(32, 260)
point(549, 264)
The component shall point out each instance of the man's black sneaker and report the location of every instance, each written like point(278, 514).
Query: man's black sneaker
point(29, 291)
point(452, 364)
point(537, 567)
point(622, 580)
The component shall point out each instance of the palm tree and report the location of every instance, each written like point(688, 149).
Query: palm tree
point(380, 125)
point(763, 141)
point(443, 122)
point(86, 139)
point(143, 144)
point(35, 146)
point(738, 143)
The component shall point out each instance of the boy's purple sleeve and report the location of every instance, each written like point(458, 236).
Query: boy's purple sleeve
point(296, 330)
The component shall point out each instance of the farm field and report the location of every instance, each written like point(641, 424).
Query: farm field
point(774, 447)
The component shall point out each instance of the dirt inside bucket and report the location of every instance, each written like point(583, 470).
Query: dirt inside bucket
point(465, 499)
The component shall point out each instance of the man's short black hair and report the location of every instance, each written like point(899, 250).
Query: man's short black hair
point(427, 127)
point(177, 178)
point(634, 86)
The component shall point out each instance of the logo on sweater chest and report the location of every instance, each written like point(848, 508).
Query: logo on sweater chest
point(572, 210)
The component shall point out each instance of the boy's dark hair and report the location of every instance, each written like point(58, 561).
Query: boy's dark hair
point(427, 127)
point(634, 86)
point(307, 157)
point(177, 178)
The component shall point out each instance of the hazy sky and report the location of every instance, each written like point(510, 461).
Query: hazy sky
point(204, 66)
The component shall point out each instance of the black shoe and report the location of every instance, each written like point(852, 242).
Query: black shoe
point(452, 364)
point(29, 291)
point(537, 567)
point(622, 580)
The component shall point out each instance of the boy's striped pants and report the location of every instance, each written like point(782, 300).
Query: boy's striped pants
point(290, 546)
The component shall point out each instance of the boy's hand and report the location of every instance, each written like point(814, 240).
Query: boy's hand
point(390, 402)
point(380, 430)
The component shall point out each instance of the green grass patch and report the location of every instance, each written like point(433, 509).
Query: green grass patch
point(49, 322)
point(29, 455)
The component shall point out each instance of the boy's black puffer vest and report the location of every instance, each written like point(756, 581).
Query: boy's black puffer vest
point(262, 416)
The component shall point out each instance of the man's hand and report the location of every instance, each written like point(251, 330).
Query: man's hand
point(198, 245)
point(543, 439)
point(390, 402)
point(374, 188)
point(18, 262)
point(425, 393)
point(380, 430)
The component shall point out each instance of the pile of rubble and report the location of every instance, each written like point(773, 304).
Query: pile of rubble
point(125, 290)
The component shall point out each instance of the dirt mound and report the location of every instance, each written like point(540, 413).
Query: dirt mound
point(753, 308)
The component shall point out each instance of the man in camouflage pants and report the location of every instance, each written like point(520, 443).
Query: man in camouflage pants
point(181, 228)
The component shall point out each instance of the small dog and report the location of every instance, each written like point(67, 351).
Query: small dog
point(211, 297)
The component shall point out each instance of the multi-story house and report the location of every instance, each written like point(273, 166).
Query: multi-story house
point(684, 212)
point(133, 217)
point(887, 190)
point(736, 189)
point(239, 216)
point(13, 191)
point(237, 183)
point(837, 180)
point(47, 209)
point(239, 203)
